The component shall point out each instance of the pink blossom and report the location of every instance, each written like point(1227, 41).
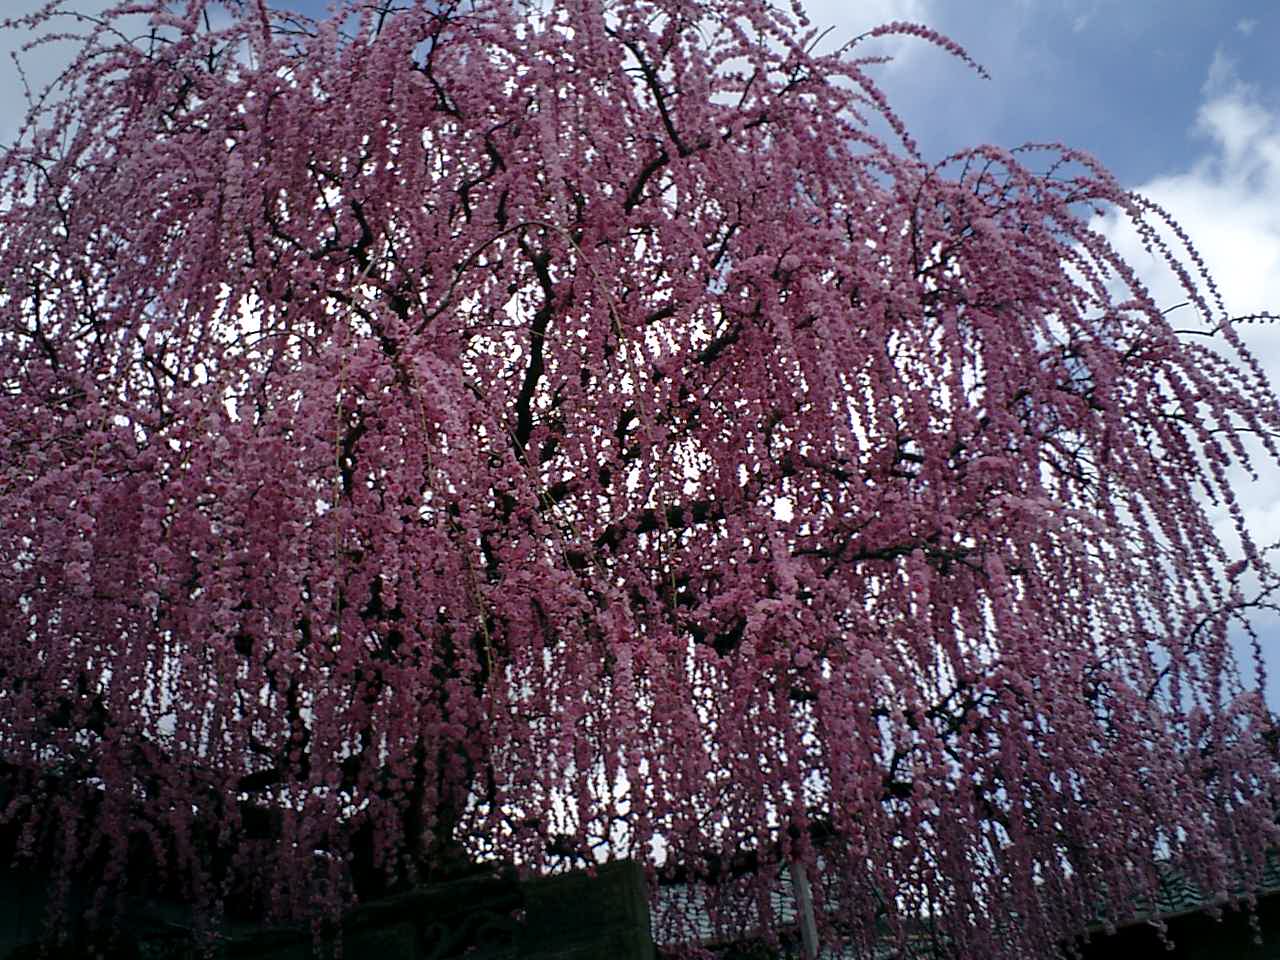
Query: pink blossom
point(395, 437)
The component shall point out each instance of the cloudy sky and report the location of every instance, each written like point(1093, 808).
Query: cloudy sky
point(1179, 98)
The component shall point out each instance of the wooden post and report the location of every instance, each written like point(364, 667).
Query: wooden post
point(804, 910)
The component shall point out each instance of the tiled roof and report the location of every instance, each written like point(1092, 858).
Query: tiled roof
point(1177, 896)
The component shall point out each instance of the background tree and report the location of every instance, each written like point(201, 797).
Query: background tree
point(455, 433)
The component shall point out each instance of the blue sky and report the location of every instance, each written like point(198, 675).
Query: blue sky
point(1179, 98)
point(1120, 78)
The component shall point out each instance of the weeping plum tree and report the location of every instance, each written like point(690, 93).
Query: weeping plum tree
point(459, 433)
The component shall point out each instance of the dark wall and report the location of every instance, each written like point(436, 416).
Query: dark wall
point(570, 917)
point(1237, 935)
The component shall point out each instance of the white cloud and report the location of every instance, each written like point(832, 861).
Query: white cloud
point(1228, 202)
point(1222, 76)
point(850, 20)
point(1083, 14)
point(1246, 25)
point(869, 13)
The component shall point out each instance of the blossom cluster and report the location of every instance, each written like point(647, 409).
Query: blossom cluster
point(463, 434)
